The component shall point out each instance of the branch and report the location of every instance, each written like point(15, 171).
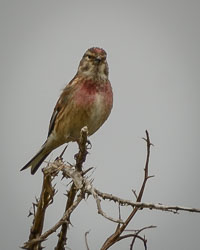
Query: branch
point(46, 198)
point(134, 236)
point(146, 169)
point(115, 236)
point(141, 205)
point(81, 185)
point(137, 235)
point(98, 202)
point(80, 159)
point(63, 220)
point(62, 236)
point(82, 143)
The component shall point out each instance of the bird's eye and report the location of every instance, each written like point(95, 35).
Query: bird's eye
point(89, 57)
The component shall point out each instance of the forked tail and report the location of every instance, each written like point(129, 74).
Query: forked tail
point(36, 161)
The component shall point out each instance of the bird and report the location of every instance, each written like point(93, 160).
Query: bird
point(87, 100)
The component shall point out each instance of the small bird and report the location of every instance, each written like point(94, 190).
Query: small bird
point(87, 100)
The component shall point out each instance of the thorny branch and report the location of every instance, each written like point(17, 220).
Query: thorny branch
point(46, 198)
point(48, 192)
point(142, 205)
point(64, 219)
point(80, 159)
point(82, 185)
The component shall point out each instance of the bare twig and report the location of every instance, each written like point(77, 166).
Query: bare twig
point(115, 236)
point(146, 169)
point(100, 211)
point(134, 236)
point(137, 235)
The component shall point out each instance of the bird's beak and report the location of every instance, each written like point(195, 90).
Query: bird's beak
point(98, 59)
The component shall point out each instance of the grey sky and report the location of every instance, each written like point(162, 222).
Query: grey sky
point(153, 55)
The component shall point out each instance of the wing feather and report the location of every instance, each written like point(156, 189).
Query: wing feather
point(61, 103)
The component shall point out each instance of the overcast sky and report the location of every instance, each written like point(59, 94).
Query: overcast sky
point(153, 56)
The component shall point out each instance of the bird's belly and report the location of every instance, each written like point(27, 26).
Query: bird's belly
point(91, 114)
point(97, 114)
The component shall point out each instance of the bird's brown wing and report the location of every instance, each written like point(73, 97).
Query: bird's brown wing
point(61, 103)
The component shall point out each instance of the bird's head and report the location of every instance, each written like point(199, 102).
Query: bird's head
point(94, 64)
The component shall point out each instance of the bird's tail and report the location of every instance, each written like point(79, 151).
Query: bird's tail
point(37, 160)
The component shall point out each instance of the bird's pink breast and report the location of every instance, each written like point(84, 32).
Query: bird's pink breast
point(93, 105)
point(90, 92)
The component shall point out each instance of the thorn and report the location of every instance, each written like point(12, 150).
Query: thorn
point(135, 194)
point(61, 155)
point(87, 170)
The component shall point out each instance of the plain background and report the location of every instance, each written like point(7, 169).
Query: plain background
point(153, 55)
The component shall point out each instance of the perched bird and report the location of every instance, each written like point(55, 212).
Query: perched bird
point(86, 101)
